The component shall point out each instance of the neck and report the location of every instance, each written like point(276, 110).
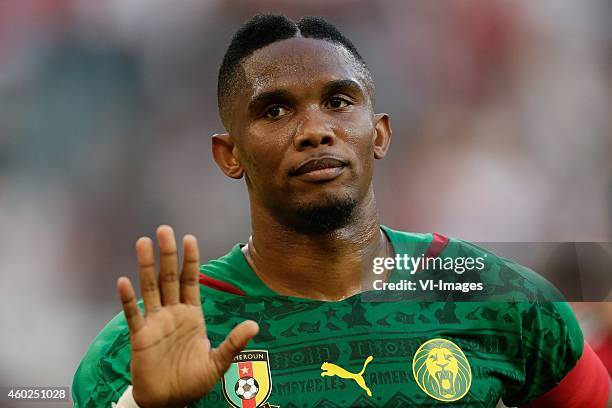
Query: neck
point(325, 266)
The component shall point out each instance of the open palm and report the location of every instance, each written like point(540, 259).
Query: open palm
point(172, 362)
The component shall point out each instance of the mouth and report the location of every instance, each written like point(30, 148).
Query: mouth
point(320, 169)
point(444, 379)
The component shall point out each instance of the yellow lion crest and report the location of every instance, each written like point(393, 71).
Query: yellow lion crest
point(441, 370)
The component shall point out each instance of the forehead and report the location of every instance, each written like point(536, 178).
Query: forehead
point(297, 63)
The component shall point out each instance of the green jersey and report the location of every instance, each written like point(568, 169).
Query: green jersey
point(374, 349)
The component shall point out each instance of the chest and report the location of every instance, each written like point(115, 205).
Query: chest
point(357, 354)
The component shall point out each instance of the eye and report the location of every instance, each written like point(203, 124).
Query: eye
point(336, 102)
point(275, 111)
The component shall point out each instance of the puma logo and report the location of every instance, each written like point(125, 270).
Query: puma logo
point(330, 370)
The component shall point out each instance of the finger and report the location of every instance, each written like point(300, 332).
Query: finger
point(233, 344)
point(190, 282)
point(168, 266)
point(146, 274)
point(134, 317)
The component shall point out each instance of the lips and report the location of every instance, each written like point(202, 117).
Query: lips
point(320, 163)
point(320, 169)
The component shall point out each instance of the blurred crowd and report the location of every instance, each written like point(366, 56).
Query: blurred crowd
point(501, 113)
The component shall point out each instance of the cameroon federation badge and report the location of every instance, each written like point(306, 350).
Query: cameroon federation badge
point(248, 382)
point(441, 370)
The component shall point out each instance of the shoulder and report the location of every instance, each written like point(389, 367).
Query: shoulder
point(223, 276)
point(405, 236)
point(231, 275)
point(104, 371)
point(551, 336)
point(540, 306)
point(460, 260)
point(503, 279)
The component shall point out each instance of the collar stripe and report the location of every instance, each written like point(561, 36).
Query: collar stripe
point(219, 285)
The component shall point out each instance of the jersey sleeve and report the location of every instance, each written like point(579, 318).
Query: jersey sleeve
point(104, 372)
point(552, 344)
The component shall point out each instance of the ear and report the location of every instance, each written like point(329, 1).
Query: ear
point(382, 135)
point(223, 151)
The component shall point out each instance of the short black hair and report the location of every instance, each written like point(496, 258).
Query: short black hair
point(265, 29)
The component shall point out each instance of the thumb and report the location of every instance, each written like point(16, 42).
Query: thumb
point(233, 344)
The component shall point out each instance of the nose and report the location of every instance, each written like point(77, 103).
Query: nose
point(313, 130)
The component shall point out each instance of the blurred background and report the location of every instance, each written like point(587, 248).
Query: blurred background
point(501, 114)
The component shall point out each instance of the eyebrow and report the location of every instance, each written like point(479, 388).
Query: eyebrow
point(333, 87)
point(266, 98)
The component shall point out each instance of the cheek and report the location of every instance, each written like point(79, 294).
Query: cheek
point(262, 155)
point(360, 137)
point(358, 130)
point(270, 137)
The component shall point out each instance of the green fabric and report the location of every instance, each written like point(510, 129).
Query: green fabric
point(517, 345)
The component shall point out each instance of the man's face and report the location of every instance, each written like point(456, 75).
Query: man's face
point(304, 129)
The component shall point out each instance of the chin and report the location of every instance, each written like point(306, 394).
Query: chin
point(325, 214)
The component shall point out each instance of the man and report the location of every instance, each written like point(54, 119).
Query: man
point(305, 326)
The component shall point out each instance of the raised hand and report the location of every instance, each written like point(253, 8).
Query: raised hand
point(172, 362)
